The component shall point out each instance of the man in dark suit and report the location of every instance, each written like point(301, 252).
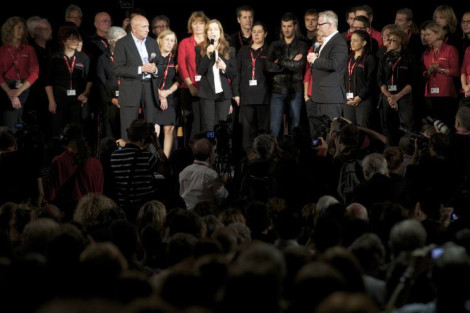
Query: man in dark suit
point(328, 66)
point(137, 61)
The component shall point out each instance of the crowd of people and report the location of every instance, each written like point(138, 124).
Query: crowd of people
point(320, 172)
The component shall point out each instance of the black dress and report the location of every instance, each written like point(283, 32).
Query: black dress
point(169, 77)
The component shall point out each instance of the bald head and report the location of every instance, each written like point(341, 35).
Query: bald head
point(102, 23)
point(140, 26)
point(357, 211)
point(202, 149)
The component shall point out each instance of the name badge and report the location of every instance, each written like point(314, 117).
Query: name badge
point(392, 87)
point(253, 82)
point(349, 95)
point(117, 93)
point(71, 92)
point(18, 84)
point(197, 78)
point(434, 90)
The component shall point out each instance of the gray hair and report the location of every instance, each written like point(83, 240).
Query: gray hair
point(115, 33)
point(72, 8)
point(32, 23)
point(264, 145)
point(407, 235)
point(330, 17)
point(374, 163)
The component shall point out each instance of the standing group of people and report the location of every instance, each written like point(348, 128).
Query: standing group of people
point(124, 74)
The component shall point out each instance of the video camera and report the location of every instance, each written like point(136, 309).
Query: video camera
point(223, 134)
point(421, 140)
point(438, 124)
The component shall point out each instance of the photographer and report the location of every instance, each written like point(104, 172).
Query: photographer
point(199, 182)
point(134, 168)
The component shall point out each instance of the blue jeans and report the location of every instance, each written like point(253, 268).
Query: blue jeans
point(277, 109)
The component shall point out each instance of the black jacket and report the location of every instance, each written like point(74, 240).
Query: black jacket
point(204, 68)
point(252, 95)
point(288, 74)
point(363, 75)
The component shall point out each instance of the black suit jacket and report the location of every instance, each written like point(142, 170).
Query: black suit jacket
point(328, 72)
point(126, 64)
point(204, 68)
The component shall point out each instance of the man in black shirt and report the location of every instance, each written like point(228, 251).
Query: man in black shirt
point(245, 15)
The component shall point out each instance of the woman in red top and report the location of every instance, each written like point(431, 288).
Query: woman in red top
point(19, 69)
point(187, 71)
point(465, 78)
point(441, 64)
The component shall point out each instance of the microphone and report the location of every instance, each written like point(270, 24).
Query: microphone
point(153, 57)
point(316, 47)
point(211, 39)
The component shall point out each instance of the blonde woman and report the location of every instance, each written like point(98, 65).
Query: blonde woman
point(216, 63)
point(165, 114)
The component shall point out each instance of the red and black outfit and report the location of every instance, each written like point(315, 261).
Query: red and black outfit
point(440, 91)
point(190, 104)
point(254, 97)
point(17, 65)
point(396, 69)
point(359, 79)
point(169, 77)
point(65, 74)
point(84, 178)
point(465, 70)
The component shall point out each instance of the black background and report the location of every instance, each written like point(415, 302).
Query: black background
point(179, 11)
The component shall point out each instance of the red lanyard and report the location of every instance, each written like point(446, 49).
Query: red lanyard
point(14, 57)
point(253, 62)
point(393, 70)
point(70, 68)
point(105, 44)
point(351, 70)
point(112, 61)
point(165, 74)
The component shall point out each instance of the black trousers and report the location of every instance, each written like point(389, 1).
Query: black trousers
point(213, 111)
point(254, 120)
point(130, 113)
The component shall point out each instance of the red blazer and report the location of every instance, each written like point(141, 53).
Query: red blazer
point(187, 61)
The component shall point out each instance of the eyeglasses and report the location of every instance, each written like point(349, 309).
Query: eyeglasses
point(74, 17)
point(358, 27)
point(160, 26)
point(465, 22)
point(321, 24)
point(392, 40)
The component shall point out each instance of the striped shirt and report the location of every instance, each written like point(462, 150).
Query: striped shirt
point(141, 166)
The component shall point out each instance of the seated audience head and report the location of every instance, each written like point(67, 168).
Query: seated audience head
point(394, 158)
point(374, 163)
point(140, 132)
point(406, 236)
point(90, 207)
point(203, 150)
point(357, 211)
point(462, 119)
point(264, 146)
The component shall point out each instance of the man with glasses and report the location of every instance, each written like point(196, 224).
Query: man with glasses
point(328, 67)
point(362, 23)
point(365, 10)
point(159, 24)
